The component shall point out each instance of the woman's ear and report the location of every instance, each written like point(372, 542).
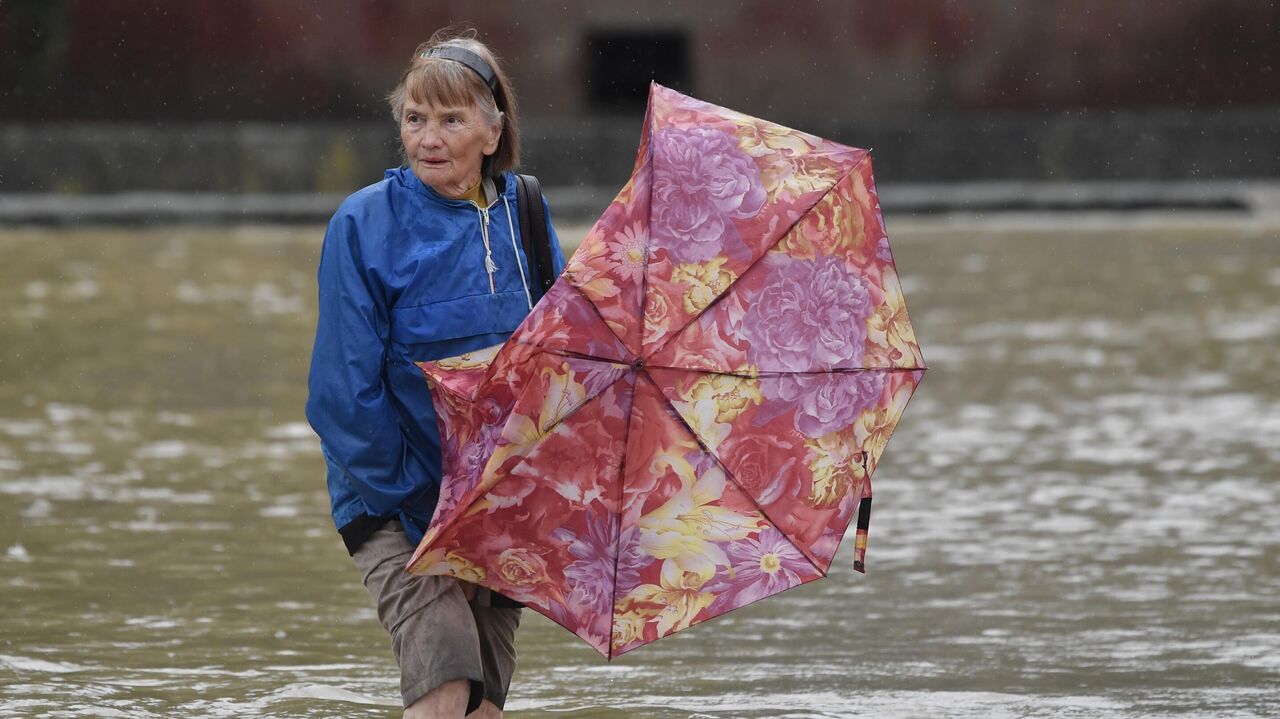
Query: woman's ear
point(495, 135)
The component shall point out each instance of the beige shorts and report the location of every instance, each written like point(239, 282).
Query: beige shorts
point(436, 634)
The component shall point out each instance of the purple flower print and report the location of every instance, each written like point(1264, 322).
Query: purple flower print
point(883, 253)
point(760, 568)
point(591, 574)
point(823, 403)
point(811, 314)
point(701, 181)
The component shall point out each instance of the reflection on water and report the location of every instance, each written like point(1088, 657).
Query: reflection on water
point(1076, 518)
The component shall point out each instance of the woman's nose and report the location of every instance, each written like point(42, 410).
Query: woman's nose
point(431, 136)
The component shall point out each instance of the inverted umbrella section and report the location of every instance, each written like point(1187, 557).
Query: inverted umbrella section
point(613, 467)
point(689, 420)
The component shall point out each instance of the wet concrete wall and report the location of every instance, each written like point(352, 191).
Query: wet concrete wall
point(339, 157)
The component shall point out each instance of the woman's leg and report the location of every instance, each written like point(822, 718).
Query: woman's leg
point(432, 627)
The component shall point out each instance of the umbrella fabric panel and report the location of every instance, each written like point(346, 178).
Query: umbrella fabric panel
point(608, 267)
point(467, 432)
point(799, 445)
point(565, 321)
point(693, 545)
point(825, 297)
point(494, 430)
point(548, 540)
point(725, 188)
point(803, 484)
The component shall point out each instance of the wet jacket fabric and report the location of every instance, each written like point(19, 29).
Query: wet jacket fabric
point(404, 278)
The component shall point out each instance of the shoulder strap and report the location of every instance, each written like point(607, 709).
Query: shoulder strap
point(534, 235)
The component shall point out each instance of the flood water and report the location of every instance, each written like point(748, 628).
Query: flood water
point(1079, 515)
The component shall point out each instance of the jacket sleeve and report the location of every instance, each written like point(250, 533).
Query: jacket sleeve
point(347, 403)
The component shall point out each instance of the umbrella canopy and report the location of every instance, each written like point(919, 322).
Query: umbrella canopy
point(689, 420)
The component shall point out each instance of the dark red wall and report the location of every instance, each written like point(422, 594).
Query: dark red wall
point(334, 59)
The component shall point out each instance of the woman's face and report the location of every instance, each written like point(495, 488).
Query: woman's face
point(445, 146)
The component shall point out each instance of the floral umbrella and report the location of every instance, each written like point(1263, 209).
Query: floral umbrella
point(690, 418)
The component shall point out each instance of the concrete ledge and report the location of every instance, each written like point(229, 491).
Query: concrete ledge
point(132, 208)
point(585, 204)
point(270, 158)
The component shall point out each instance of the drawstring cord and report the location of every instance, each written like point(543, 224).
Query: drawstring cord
point(520, 265)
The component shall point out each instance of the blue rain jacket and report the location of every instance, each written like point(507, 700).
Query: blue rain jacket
point(402, 279)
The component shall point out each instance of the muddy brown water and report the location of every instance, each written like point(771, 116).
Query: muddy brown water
point(1078, 516)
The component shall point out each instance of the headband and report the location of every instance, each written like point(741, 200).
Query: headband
point(471, 60)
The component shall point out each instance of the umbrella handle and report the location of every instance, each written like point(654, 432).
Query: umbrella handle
point(864, 521)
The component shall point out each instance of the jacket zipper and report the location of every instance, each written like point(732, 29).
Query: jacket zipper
point(489, 265)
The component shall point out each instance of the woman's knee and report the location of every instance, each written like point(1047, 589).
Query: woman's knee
point(447, 701)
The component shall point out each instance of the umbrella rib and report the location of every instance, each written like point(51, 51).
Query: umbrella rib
point(787, 373)
point(617, 545)
point(603, 321)
point(865, 158)
point(481, 488)
point(585, 401)
point(728, 473)
point(648, 241)
point(575, 355)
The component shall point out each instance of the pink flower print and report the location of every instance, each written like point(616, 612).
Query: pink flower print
point(762, 465)
point(629, 250)
point(701, 181)
point(761, 567)
point(811, 314)
point(823, 403)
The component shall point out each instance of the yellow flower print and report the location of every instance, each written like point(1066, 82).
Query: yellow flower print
point(874, 426)
point(763, 138)
point(687, 529)
point(464, 569)
point(522, 568)
point(469, 360)
point(713, 402)
point(836, 464)
point(727, 395)
point(891, 339)
point(784, 156)
point(431, 561)
point(629, 622)
point(679, 597)
point(835, 226)
point(561, 394)
point(438, 561)
point(703, 282)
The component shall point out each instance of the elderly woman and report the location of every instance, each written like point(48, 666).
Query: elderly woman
point(428, 263)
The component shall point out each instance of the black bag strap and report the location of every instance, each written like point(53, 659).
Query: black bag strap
point(534, 235)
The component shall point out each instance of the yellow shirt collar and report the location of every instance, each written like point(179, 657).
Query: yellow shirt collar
point(475, 194)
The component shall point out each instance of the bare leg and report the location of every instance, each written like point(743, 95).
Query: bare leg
point(447, 701)
point(487, 710)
